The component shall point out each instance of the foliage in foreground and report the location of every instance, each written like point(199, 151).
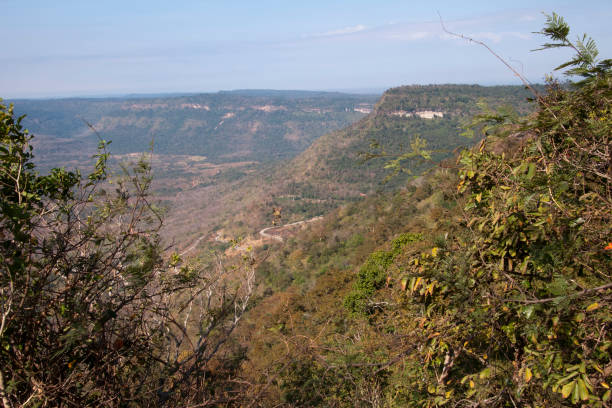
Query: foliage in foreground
point(90, 313)
point(506, 300)
point(496, 294)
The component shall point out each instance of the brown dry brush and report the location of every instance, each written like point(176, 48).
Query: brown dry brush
point(92, 314)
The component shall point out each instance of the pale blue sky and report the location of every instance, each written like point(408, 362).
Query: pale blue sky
point(82, 47)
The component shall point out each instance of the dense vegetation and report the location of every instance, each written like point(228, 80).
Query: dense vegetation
point(485, 282)
point(91, 312)
point(389, 126)
point(333, 171)
point(493, 287)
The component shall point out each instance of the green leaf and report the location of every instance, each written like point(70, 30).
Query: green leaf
point(564, 379)
point(531, 171)
point(583, 393)
point(576, 393)
point(528, 374)
point(486, 373)
point(567, 389)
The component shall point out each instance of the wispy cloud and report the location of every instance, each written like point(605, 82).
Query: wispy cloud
point(432, 30)
point(409, 35)
point(496, 37)
point(493, 29)
point(339, 32)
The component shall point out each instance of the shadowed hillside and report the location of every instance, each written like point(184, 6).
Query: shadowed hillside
point(224, 127)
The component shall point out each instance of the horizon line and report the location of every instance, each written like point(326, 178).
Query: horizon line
point(135, 95)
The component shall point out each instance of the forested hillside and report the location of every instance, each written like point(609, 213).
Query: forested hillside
point(487, 284)
point(478, 276)
point(334, 170)
point(223, 127)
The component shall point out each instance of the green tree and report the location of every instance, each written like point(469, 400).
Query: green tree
point(506, 302)
point(91, 313)
point(518, 313)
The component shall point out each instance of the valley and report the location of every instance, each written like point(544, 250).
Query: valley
point(425, 246)
point(203, 148)
point(228, 187)
point(224, 127)
point(363, 246)
point(252, 151)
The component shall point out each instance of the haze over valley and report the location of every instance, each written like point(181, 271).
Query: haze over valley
point(319, 204)
point(226, 160)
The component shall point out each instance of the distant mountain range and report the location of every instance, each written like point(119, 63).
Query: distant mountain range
point(255, 125)
point(225, 160)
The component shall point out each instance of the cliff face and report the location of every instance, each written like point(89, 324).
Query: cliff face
point(434, 113)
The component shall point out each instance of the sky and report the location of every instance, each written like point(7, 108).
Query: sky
point(99, 48)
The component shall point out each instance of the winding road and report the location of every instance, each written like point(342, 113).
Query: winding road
point(278, 238)
point(264, 233)
point(192, 246)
